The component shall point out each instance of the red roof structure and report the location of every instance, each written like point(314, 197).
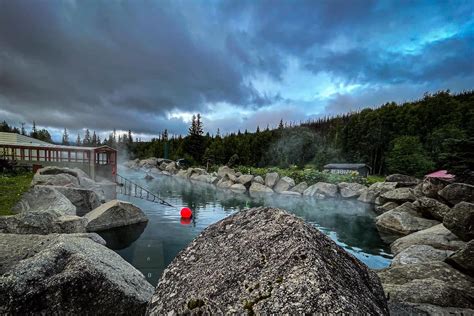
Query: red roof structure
point(440, 174)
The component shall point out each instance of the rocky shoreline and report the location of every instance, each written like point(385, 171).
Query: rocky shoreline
point(429, 225)
point(52, 261)
point(260, 260)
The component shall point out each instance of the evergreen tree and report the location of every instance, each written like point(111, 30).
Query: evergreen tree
point(130, 137)
point(34, 131)
point(280, 126)
point(87, 141)
point(78, 140)
point(65, 139)
point(23, 131)
point(164, 136)
point(94, 139)
point(408, 157)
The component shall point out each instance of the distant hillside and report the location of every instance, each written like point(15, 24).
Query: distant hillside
point(414, 137)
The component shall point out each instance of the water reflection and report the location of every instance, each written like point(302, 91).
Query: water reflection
point(348, 222)
point(122, 237)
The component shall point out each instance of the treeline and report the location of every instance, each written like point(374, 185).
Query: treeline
point(434, 132)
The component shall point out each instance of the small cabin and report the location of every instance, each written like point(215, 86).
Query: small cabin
point(98, 162)
point(347, 168)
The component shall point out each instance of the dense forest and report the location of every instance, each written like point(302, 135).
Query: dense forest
point(416, 137)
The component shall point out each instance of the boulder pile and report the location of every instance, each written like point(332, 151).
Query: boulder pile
point(49, 264)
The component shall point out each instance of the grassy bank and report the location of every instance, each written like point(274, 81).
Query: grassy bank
point(310, 175)
point(11, 189)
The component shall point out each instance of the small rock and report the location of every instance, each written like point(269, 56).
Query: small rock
point(457, 192)
point(434, 283)
point(369, 196)
point(114, 214)
point(380, 209)
point(402, 180)
point(259, 188)
point(300, 187)
point(463, 259)
point(290, 193)
point(271, 179)
point(238, 187)
point(245, 179)
point(351, 190)
point(431, 208)
point(419, 254)
point(460, 220)
point(259, 179)
point(438, 237)
point(400, 195)
point(224, 170)
point(284, 184)
point(401, 221)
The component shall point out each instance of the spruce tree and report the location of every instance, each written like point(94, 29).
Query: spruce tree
point(78, 140)
point(65, 140)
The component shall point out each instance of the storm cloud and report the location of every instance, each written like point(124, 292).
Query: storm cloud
point(147, 65)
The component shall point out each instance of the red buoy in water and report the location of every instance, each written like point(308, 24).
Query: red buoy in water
point(186, 212)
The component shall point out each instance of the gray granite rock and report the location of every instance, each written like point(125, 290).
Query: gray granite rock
point(431, 208)
point(321, 188)
point(463, 259)
point(271, 179)
point(399, 195)
point(114, 214)
point(284, 184)
point(438, 237)
point(238, 187)
point(35, 222)
point(420, 254)
point(259, 188)
point(435, 283)
point(401, 221)
point(460, 220)
point(300, 187)
point(351, 190)
point(84, 200)
point(369, 195)
point(380, 209)
point(258, 179)
point(62, 179)
point(231, 269)
point(67, 274)
point(44, 199)
point(455, 193)
point(245, 179)
point(402, 180)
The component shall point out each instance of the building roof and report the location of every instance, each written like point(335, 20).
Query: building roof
point(345, 166)
point(13, 139)
point(440, 174)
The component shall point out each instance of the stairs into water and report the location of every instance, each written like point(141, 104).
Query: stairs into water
point(130, 188)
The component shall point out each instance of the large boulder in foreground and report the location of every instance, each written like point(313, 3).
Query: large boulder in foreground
point(460, 220)
point(67, 274)
point(434, 283)
point(114, 214)
point(266, 261)
point(402, 220)
point(44, 199)
point(438, 237)
point(457, 192)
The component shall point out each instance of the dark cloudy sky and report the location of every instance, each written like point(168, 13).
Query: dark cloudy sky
point(148, 65)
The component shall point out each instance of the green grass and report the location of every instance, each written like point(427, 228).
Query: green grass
point(372, 179)
point(11, 189)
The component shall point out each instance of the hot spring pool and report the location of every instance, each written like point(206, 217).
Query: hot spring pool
point(151, 247)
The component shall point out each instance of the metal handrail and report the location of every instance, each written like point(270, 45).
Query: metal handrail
point(130, 188)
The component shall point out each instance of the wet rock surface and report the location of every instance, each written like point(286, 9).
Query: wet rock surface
point(67, 274)
point(231, 268)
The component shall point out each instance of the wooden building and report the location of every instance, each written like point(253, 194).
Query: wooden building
point(348, 168)
point(97, 162)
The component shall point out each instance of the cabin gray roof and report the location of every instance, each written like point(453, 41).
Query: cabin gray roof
point(345, 166)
